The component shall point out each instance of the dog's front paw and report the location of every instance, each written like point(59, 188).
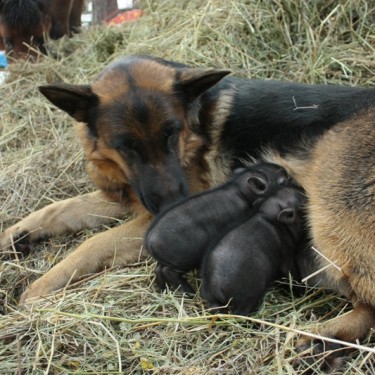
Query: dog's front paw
point(35, 291)
point(15, 239)
point(319, 355)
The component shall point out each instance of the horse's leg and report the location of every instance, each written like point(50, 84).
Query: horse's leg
point(75, 16)
point(60, 11)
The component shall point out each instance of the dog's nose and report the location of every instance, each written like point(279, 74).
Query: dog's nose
point(156, 201)
point(161, 201)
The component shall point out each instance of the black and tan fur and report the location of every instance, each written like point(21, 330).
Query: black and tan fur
point(153, 130)
point(338, 174)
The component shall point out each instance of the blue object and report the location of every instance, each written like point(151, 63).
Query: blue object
point(3, 60)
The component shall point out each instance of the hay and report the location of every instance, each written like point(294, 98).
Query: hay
point(117, 322)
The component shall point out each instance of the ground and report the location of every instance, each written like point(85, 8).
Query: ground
point(117, 322)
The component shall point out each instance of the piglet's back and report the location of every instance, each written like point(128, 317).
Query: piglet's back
point(180, 235)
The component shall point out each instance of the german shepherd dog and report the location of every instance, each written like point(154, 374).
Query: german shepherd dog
point(154, 131)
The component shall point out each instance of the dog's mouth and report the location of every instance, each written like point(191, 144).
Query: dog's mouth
point(155, 204)
point(151, 206)
point(159, 186)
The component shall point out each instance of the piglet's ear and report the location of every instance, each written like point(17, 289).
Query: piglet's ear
point(195, 81)
point(257, 184)
point(287, 216)
point(76, 100)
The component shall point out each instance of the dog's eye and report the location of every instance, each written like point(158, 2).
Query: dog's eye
point(168, 132)
point(128, 151)
point(172, 128)
point(123, 145)
point(126, 146)
point(172, 139)
point(171, 132)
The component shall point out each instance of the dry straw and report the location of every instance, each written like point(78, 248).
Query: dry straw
point(117, 322)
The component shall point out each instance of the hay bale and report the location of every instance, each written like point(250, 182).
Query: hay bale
point(117, 321)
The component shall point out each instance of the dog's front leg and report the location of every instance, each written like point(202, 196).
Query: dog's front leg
point(115, 247)
point(70, 215)
point(349, 327)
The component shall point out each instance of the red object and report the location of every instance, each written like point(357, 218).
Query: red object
point(126, 16)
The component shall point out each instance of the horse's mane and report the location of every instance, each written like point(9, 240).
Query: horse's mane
point(23, 15)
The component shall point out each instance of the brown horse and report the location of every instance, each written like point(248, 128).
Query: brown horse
point(25, 24)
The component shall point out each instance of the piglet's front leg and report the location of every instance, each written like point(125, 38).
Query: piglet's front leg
point(168, 276)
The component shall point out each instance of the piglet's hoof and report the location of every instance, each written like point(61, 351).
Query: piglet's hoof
point(168, 276)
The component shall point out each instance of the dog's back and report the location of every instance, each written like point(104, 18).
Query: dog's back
point(253, 115)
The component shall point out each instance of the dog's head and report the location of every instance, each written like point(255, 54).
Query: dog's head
point(137, 115)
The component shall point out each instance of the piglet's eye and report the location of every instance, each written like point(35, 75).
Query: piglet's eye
point(282, 180)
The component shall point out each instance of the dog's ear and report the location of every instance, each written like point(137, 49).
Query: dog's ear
point(194, 81)
point(76, 100)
